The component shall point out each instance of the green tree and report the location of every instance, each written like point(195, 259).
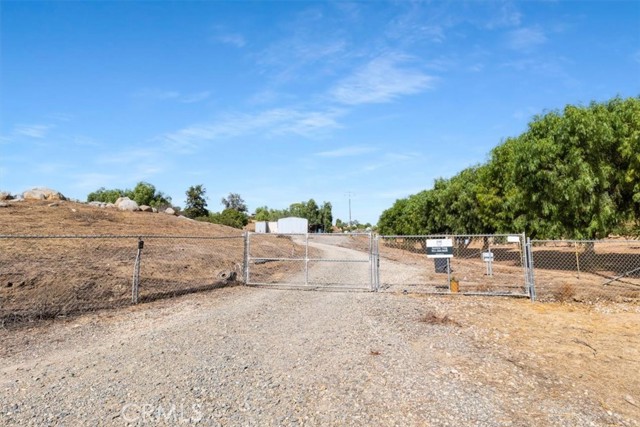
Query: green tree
point(104, 195)
point(262, 214)
point(326, 217)
point(145, 193)
point(196, 205)
point(229, 217)
point(235, 202)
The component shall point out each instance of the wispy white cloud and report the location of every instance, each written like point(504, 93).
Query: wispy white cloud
point(236, 40)
point(286, 58)
point(382, 80)
point(526, 38)
point(168, 95)
point(129, 156)
point(354, 150)
point(156, 94)
point(61, 117)
point(93, 180)
point(195, 97)
point(417, 25)
point(503, 14)
point(32, 131)
point(281, 121)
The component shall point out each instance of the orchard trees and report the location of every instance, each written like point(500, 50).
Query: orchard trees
point(574, 173)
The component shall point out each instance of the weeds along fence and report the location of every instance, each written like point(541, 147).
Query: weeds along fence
point(587, 270)
point(51, 276)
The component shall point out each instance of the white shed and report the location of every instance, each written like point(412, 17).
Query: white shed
point(261, 227)
point(293, 225)
point(272, 227)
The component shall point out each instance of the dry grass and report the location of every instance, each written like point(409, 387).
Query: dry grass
point(433, 319)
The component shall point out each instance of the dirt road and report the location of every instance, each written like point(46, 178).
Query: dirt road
point(246, 356)
point(251, 356)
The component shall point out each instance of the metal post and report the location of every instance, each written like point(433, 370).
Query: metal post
point(575, 245)
point(306, 260)
point(449, 273)
point(245, 269)
point(135, 288)
point(371, 284)
point(532, 280)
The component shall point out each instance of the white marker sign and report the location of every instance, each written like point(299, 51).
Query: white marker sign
point(439, 248)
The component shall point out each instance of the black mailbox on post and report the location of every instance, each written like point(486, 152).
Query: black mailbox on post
point(440, 265)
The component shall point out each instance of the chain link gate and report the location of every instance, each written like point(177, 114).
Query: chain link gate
point(311, 261)
point(496, 264)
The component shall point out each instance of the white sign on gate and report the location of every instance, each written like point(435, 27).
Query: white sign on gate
point(487, 256)
point(439, 248)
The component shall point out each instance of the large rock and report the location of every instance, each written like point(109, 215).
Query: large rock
point(43, 194)
point(5, 196)
point(145, 208)
point(170, 211)
point(126, 204)
point(97, 204)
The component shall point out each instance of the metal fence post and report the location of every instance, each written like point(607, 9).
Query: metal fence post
point(306, 260)
point(575, 245)
point(245, 258)
point(530, 268)
point(135, 288)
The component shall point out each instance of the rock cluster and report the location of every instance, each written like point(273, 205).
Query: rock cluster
point(42, 193)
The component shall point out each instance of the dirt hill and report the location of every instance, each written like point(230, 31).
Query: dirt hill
point(31, 217)
point(47, 270)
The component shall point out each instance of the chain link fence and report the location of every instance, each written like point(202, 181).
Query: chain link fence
point(587, 270)
point(480, 264)
point(52, 276)
point(314, 261)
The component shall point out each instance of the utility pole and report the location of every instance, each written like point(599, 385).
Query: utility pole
point(349, 193)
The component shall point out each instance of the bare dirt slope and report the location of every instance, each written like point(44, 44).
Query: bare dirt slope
point(32, 217)
point(45, 276)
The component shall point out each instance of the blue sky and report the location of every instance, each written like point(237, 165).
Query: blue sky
point(286, 101)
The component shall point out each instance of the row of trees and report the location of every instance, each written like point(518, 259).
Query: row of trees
point(233, 215)
point(573, 174)
point(320, 217)
point(143, 194)
point(235, 212)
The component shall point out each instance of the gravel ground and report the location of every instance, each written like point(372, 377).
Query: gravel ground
point(253, 356)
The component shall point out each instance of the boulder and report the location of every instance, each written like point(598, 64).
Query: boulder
point(126, 204)
point(111, 205)
point(97, 204)
point(4, 205)
point(5, 195)
point(43, 194)
point(170, 211)
point(145, 208)
point(154, 210)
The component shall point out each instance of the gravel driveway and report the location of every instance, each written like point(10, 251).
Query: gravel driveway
point(253, 357)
